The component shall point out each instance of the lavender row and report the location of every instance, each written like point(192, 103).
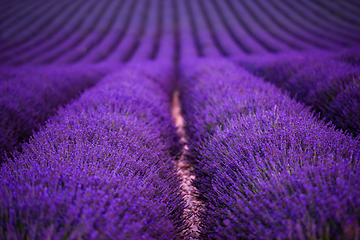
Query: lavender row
point(87, 31)
point(30, 95)
point(351, 55)
point(265, 167)
point(329, 86)
point(123, 36)
point(101, 168)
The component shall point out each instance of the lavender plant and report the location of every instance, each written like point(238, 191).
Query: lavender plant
point(351, 55)
point(318, 84)
point(101, 168)
point(266, 168)
point(279, 69)
point(344, 111)
point(30, 95)
point(313, 81)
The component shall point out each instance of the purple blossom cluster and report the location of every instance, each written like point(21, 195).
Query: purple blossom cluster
point(351, 55)
point(266, 168)
point(30, 95)
point(327, 85)
point(102, 168)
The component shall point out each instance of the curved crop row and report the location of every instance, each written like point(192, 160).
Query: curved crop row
point(101, 168)
point(125, 30)
point(265, 167)
point(329, 86)
point(30, 95)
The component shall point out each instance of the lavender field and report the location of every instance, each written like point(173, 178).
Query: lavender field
point(180, 119)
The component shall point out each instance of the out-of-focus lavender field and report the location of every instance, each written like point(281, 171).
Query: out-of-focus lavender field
point(269, 92)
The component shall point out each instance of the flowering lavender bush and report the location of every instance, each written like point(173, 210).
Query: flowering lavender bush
point(318, 84)
point(315, 82)
point(269, 170)
point(279, 69)
point(100, 169)
point(351, 55)
point(30, 95)
point(344, 111)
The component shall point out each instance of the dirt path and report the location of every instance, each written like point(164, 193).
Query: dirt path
point(186, 174)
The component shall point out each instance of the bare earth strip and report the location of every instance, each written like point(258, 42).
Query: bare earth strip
point(186, 174)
